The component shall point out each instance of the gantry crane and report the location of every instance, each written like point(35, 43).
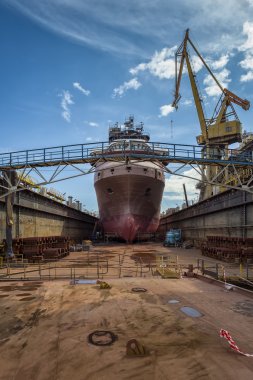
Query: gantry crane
point(224, 127)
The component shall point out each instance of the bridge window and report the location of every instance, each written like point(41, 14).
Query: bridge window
point(129, 168)
point(112, 171)
point(109, 191)
point(99, 174)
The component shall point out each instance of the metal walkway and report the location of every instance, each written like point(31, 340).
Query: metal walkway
point(90, 153)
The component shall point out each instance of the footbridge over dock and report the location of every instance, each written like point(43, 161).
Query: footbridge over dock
point(92, 152)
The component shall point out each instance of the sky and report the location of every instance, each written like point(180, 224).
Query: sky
point(69, 68)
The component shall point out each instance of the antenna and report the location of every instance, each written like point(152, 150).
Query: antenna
point(171, 129)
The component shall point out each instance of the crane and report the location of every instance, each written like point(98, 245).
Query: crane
point(224, 127)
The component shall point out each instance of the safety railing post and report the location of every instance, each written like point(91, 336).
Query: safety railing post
point(97, 266)
point(119, 265)
point(202, 266)
point(217, 271)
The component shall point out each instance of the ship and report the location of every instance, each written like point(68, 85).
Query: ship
point(129, 193)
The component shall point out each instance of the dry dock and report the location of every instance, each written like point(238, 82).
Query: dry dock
point(45, 324)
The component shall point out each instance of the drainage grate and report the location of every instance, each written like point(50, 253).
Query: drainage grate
point(139, 290)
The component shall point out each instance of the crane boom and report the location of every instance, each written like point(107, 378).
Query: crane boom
point(219, 129)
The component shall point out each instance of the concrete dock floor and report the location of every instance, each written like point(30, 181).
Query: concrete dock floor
point(44, 328)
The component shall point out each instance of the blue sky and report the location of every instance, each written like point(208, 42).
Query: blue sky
point(69, 67)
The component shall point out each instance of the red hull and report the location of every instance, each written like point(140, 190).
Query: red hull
point(128, 225)
point(129, 198)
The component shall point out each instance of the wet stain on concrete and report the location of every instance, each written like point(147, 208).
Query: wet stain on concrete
point(27, 299)
point(191, 312)
point(245, 307)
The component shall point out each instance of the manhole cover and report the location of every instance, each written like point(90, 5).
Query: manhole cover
point(102, 338)
point(191, 312)
point(139, 290)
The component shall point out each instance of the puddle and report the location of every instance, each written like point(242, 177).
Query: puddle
point(173, 301)
point(80, 282)
point(191, 312)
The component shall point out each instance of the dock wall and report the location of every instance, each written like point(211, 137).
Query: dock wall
point(226, 214)
point(37, 215)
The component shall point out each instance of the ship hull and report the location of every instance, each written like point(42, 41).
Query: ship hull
point(129, 198)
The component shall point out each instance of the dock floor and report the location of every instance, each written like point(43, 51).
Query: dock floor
point(44, 328)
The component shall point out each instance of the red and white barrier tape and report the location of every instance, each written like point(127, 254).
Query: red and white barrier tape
point(225, 334)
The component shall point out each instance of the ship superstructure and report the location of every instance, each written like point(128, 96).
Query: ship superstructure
point(129, 194)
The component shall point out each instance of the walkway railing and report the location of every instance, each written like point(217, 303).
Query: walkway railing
point(88, 153)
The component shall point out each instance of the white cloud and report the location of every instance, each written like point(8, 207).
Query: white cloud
point(93, 22)
point(197, 64)
point(93, 124)
point(247, 62)
point(187, 102)
point(247, 48)
point(66, 101)
point(247, 77)
point(212, 88)
point(166, 110)
point(174, 186)
point(161, 65)
point(247, 31)
point(220, 63)
point(80, 88)
point(131, 84)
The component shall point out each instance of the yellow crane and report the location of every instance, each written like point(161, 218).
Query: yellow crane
point(224, 127)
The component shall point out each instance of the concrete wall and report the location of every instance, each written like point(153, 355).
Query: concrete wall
point(226, 214)
point(36, 215)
